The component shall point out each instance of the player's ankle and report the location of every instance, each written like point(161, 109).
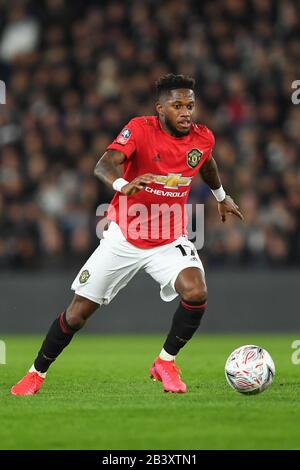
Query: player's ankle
point(41, 374)
point(165, 356)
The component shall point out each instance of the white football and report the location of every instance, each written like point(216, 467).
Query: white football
point(249, 369)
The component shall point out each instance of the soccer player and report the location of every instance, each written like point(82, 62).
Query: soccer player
point(161, 155)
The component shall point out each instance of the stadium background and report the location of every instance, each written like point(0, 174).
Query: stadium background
point(75, 73)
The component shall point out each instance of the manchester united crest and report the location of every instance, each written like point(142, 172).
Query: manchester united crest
point(84, 276)
point(193, 157)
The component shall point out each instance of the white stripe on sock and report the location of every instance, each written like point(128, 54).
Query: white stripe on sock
point(41, 374)
point(166, 356)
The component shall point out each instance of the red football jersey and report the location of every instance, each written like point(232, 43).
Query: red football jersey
point(156, 216)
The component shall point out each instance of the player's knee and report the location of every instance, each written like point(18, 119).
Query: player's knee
point(79, 311)
point(197, 293)
point(75, 319)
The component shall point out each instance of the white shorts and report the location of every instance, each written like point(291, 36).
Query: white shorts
point(114, 263)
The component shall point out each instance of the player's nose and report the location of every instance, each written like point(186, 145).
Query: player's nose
point(186, 116)
point(185, 112)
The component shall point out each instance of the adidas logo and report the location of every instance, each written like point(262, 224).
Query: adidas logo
point(156, 158)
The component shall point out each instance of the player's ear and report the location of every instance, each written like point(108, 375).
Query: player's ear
point(159, 108)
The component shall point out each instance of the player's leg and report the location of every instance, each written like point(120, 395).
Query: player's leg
point(58, 337)
point(62, 331)
point(190, 285)
point(179, 270)
point(105, 273)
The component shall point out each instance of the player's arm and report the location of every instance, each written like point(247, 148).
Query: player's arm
point(210, 175)
point(108, 171)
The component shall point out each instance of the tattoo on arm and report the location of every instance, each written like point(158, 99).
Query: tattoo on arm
point(210, 174)
point(107, 168)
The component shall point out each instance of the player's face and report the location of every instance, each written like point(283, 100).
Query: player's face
point(175, 111)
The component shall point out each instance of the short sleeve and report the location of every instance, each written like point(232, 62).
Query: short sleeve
point(209, 152)
point(125, 142)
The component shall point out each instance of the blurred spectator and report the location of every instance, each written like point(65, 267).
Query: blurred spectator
point(75, 75)
point(20, 33)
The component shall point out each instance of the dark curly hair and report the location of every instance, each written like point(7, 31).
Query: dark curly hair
point(170, 82)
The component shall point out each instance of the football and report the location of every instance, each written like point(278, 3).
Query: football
point(249, 369)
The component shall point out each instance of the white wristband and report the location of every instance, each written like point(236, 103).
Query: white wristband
point(119, 183)
point(219, 193)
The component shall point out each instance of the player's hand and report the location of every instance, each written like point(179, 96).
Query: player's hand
point(138, 184)
point(228, 206)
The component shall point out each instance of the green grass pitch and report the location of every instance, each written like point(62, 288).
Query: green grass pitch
point(98, 395)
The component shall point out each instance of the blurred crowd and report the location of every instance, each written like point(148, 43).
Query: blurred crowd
point(77, 71)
